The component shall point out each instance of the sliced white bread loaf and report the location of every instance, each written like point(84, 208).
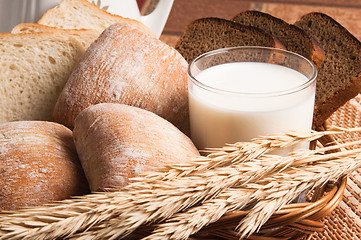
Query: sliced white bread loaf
point(84, 36)
point(34, 69)
point(81, 14)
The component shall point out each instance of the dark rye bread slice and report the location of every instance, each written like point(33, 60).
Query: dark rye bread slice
point(339, 78)
point(291, 36)
point(206, 34)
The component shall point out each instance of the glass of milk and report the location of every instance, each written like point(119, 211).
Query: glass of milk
point(240, 93)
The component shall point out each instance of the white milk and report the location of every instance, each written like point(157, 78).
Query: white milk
point(240, 113)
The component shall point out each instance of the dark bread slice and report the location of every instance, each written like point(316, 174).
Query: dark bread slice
point(339, 78)
point(291, 36)
point(208, 34)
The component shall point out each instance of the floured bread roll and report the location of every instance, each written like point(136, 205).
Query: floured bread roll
point(116, 142)
point(125, 65)
point(38, 164)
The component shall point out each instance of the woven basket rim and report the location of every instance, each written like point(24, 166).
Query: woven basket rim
point(289, 211)
point(292, 221)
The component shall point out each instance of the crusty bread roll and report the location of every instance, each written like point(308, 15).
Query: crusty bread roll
point(125, 65)
point(38, 164)
point(116, 142)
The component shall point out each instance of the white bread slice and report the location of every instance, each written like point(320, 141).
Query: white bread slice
point(81, 14)
point(84, 36)
point(34, 69)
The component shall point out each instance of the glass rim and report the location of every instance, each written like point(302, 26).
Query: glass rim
point(298, 88)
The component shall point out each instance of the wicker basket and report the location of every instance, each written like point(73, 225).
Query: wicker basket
point(328, 211)
point(322, 217)
point(345, 221)
point(294, 221)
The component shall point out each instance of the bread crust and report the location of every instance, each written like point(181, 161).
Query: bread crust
point(126, 66)
point(116, 142)
point(287, 33)
point(318, 54)
point(37, 27)
point(332, 103)
point(38, 164)
point(84, 36)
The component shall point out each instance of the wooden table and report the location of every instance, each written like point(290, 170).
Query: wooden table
point(345, 221)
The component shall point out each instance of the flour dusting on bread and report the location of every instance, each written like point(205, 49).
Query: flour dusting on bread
point(126, 66)
point(38, 164)
point(116, 142)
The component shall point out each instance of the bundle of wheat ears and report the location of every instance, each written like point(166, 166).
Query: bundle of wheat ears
point(179, 200)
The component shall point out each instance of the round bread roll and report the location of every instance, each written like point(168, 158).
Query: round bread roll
point(127, 66)
point(116, 142)
point(38, 164)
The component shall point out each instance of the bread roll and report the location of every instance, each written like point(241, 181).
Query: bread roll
point(116, 142)
point(38, 164)
point(125, 65)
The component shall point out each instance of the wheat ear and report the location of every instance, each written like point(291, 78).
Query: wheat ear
point(284, 185)
point(242, 151)
point(215, 181)
point(67, 218)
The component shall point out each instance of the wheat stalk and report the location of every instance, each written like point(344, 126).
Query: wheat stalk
point(287, 185)
point(270, 193)
point(32, 219)
point(69, 217)
point(241, 151)
point(238, 175)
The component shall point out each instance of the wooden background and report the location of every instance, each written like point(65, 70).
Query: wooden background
point(347, 12)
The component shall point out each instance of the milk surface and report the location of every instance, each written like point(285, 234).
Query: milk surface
point(257, 99)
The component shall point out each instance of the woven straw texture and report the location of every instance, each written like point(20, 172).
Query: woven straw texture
point(345, 220)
